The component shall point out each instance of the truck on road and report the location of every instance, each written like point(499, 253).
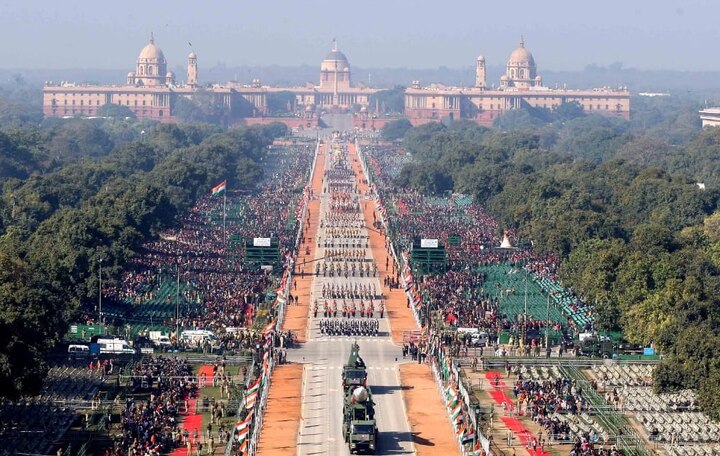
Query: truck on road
point(359, 426)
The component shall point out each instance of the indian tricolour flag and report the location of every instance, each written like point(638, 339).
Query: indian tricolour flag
point(456, 412)
point(242, 425)
point(250, 400)
point(242, 435)
point(219, 188)
point(254, 387)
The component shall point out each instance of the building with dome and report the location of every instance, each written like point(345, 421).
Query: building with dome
point(520, 86)
point(335, 90)
point(151, 92)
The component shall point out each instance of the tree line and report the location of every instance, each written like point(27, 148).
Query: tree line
point(61, 215)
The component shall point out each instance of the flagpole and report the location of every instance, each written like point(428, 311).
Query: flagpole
point(224, 213)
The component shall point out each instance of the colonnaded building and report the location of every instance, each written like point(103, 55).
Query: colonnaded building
point(519, 87)
point(152, 92)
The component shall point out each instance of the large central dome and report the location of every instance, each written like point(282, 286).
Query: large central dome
point(151, 52)
point(521, 56)
point(337, 56)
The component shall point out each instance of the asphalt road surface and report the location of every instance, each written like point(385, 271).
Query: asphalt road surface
point(323, 357)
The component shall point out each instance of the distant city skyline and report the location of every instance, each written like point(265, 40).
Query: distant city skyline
point(563, 35)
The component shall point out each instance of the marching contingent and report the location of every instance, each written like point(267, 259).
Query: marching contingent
point(350, 327)
point(347, 306)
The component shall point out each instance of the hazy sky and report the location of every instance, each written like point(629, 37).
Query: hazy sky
point(562, 34)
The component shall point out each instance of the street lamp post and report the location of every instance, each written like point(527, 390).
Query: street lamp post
point(100, 314)
point(526, 309)
point(177, 307)
point(547, 323)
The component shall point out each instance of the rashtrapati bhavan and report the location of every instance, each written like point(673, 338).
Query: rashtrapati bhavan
point(152, 92)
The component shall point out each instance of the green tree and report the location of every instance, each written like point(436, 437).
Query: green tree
point(395, 130)
point(115, 110)
point(282, 102)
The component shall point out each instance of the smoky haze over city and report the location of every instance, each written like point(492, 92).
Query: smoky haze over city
point(567, 35)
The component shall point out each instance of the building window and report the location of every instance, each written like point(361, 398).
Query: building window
point(160, 113)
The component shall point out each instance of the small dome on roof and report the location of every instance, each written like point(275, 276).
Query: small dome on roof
point(192, 55)
point(481, 58)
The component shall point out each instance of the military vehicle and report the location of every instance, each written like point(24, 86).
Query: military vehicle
point(596, 346)
point(354, 373)
point(359, 427)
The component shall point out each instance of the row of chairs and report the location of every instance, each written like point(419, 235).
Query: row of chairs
point(643, 399)
point(673, 427)
point(692, 450)
point(668, 418)
point(623, 375)
point(541, 373)
point(31, 426)
point(70, 383)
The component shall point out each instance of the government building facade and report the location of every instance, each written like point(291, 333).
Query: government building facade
point(151, 92)
point(519, 87)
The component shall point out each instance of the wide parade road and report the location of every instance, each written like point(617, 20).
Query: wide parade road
point(341, 244)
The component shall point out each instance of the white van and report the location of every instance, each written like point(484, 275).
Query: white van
point(78, 351)
point(160, 339)
point(115, 346)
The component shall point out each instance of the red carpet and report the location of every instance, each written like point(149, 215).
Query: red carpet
point(490, 376)
point(194, 421)
point(500, 397)
point(523, 434)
